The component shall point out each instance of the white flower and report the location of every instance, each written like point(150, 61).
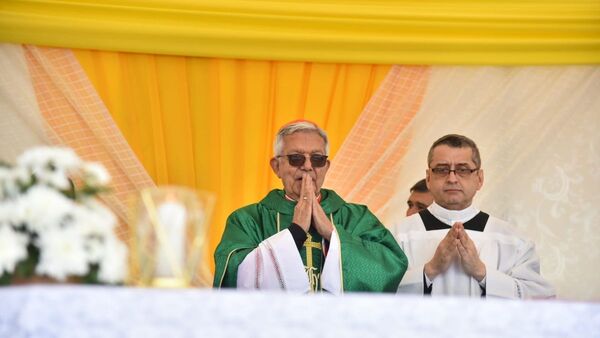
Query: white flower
point(13, 248)
point(5, 178)
point(103, 214)
point(91, 221)
point(21, 176)
point(96, 228)
point(9, 212)
point(71, 234)
point(44, 208)
point(62, 158)
point(113, 266)
point(58, 179)
point(95, 174)
point(9, 183)
point(97, 224)
point(50, 165)
point(62, 253)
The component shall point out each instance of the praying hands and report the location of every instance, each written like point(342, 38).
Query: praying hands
point(308, 209)
point(456, 246)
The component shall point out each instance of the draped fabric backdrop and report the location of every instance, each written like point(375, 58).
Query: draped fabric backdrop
point(21, 124)
point(206, 118)
point(53, 102)
point(210, 123)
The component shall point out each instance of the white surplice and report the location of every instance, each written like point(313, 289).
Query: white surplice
point(512, 265)
point(276, 264)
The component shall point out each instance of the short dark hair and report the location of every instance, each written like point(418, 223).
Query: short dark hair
point(420, 186)
point(456, 141)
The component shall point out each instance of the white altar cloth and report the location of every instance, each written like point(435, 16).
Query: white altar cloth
point(93, 311)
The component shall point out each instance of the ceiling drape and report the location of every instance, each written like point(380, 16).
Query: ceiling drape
point(491, 32)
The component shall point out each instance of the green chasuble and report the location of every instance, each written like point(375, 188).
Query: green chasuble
point(371, 259)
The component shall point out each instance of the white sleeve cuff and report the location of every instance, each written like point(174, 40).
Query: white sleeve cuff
point(332, 278)
point(275, 264)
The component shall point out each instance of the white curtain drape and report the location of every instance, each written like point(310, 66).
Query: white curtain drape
point(45, 98)
point(21, 124)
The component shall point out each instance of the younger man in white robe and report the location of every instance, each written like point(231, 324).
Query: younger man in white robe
point(455, 249)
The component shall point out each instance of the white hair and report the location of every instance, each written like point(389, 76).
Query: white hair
point(301, 126)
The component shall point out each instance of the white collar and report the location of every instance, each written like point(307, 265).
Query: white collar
point(452, 216)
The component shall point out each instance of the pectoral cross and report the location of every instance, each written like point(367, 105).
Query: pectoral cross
point(310, 245)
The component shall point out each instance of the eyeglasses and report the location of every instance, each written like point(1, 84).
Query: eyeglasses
point(298, 160)
point(445, 171)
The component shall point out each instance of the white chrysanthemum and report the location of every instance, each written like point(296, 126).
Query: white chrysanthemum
point(5, 173)
point(21, 176)
point(88, 221)
point(113, 266)
point(9, 184)
point(11, 212)
point(50, 165)
point(57, 179)
point(105, 215)
point(44, 208)
point(5, 178)
point(95, 174)
point(63, 158)
point(13, 248)
point(96, 228)
point(5, 212)
point(71, 235)
point(62, 253)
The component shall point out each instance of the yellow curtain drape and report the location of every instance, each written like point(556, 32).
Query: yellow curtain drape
point(491, 32)
point(209, 123)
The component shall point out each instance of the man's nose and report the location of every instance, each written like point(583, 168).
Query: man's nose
point(307, 164)
point(452, 176)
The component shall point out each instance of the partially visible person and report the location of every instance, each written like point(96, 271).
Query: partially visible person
point(305, 238)
point(420, 198)
point(455, 249)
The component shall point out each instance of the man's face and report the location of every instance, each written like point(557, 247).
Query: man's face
point(453, 191)
point(305, 143)
point(418, 201)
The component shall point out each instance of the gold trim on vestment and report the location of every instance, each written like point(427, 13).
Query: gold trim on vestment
point(227, 264)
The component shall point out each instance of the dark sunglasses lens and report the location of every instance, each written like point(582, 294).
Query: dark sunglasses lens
point(296, 160)
point(318, 161)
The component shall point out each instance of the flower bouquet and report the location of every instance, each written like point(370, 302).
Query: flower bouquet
point(51, 223)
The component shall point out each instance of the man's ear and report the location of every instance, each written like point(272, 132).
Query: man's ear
point(275, 166)
point(427, 178)
point(327, 165)
point(480, 177)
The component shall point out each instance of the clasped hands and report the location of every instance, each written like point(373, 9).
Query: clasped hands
point(308, 208)
point(456, 246)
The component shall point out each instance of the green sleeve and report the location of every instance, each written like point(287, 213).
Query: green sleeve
point(240, 237)
point(371, 257)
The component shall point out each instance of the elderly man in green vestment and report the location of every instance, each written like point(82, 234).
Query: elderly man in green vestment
point(304, 238)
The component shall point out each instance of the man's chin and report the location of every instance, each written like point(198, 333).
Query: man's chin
point(454, 204)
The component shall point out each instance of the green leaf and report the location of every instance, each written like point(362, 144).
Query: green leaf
point(92, 276)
